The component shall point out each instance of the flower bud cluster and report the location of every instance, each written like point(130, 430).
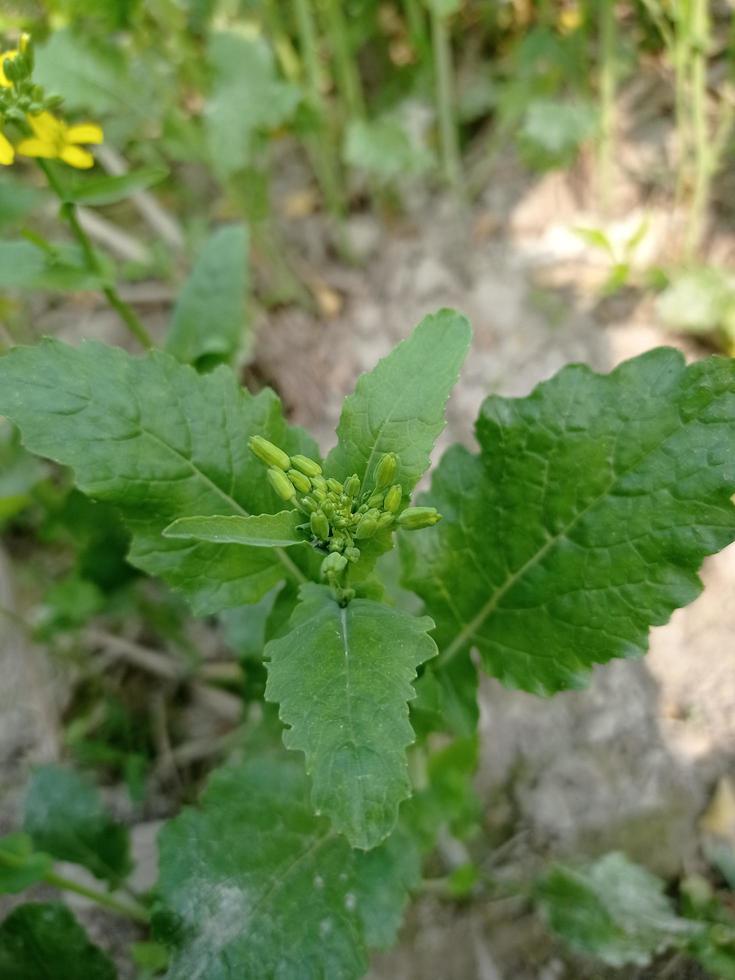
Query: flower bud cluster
point(341, 516)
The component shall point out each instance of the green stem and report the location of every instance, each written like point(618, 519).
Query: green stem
point(445, 101)
point(130, 910)
point(318, 147)
point(344, 58)
point(608, 44)
point(702, 152)
point(69, 211)
point(417, 27)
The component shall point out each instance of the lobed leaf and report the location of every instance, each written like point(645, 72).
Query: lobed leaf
point(45, 942)
point(160, 442)
point(66, 818)
point(583, 520)
point(253, 884)
point(343, 678)
point(210, 317)
point(247, 97)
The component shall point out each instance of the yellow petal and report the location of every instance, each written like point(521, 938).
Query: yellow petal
point(36, 148)
point(46, 127)
point(7, 153)
point(4, 83)
point(75, 156)
point(84, 133)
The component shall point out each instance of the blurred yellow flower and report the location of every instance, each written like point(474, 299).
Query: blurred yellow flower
point(7, 153)
point(54, 140)
point(5, 56)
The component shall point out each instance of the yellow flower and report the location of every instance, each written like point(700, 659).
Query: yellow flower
point(54, 140)
point(7, 153)
point(5, 56)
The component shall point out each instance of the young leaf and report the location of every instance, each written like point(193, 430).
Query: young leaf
point(258, 530)
point(253, 885)
point(45, 942)
point(343, 678)
point(210, 318)
point(160, 442)
point(20, 865)
point(97, 191)
point(66, 818)
point(613, 910)
point(584, 519)
point(398, 407)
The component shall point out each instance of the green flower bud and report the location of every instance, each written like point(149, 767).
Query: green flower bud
point(301, 482)
point(333, 564)
point(376, 499)
point(269, 454)
point(307, 466)
point(328, 508)
point(337, 543)
point(281, 484)
point(334, 485)
point(319, 525)
point(352, 553)
point(352, 486)
point(310, 504)
point(414, 518)
point(362, 509)
point(385, 471)
point(385, 520)
point(367, 527)
point(393, 498)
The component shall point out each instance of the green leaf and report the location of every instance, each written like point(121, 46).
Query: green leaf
point(160, 442)
point(90, 76)
point(253, 884)
point(259, 530)
point(584, 519)
point(17, 200)
point(247, 98)
point(19, 473)
point(698, 301)
point(399, 406)
point(23, 265)
point(66, 818)
point(384, 149)
point(45, 942)
point(613, 910)
point(384, 878)
point(96, 191)
point(552, 131)
point(210, 318)
point(20, 864)
point(343, 677)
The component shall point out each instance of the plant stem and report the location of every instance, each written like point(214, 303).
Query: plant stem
point(701, 149)
point(132, 910)
point(417, 27)
point(69, 212)
point(349, 78)
point(445, 100)
point(608, 44)
point(129, 909)
point(318, 147)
